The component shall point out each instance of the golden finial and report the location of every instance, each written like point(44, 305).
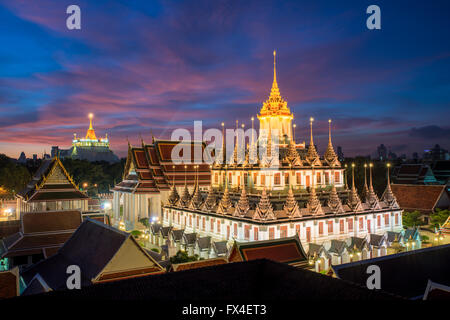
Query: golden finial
point(329, 130)
point(311, 120)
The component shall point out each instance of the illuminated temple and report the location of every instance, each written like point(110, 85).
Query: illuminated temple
point(289, 190)
point(90, 147)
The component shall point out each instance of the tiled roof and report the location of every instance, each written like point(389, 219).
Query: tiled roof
point(157, 171)
point(286, 250)
point(204, 243)
point(417, 197)
point(376, 240)
point(220, 247)
point(41, 233)
point(41, 187)
point(49, 221)
point(337, 246)
point(405, 274)
point(9, 283)
point(198, 264)
point(8, 228)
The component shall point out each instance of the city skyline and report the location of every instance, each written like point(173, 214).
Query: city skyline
point(143, 68)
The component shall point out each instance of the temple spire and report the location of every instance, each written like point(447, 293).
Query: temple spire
point(90, 134)
point(274, 92)
point(388, 195)
point(372, 197)
point(312, 155)
point(365, 191)
point(354, 202)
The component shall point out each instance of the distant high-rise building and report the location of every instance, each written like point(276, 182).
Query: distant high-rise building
point(340, 154)
point(22, 159)
point(35, 157)
point(415, 156)
point(55, 151)
point(437, 153)
point(382, 152)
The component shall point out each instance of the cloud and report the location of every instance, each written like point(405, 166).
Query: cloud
point(430, 132)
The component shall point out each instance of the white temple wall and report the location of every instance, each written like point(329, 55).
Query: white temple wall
point(274, 231)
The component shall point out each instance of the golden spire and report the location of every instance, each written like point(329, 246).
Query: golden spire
point(274, 92)
point(90, 134)
point(330, 155)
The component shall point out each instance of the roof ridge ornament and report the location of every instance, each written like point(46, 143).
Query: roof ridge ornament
point(388, 195)
point(354, 202)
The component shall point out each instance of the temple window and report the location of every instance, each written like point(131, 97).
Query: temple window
point(277, 178)
point(350, 224)
point(330, 226)
point(247, 232)
point(271, 233)
point(283, 231)
point(299, 178)
point(255, 233)
point(320, 228)
point(337, 177)
point(341, 226)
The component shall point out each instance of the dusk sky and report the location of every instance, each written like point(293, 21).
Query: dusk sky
point(143, 66)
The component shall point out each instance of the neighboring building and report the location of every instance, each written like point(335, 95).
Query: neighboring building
point(103, 254)
point(436, 291)
point(413, 174)
point(441, 170)
point(51, 189)
point(41, 234)
point(89, 148)
point(260, 280)
point(148, 174)
point(404, 274)
point(423, 198)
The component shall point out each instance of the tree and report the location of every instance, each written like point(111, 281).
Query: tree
point(182, 256)
point(13, 177)
point(412, 219)
point(439, 217)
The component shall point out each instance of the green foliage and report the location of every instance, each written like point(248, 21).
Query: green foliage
point(182, 256)
point(439, 217)
point(412, 219)
point(136, 233)
point(145, 222)
point(424, 238)
point(155, 250)
point(13, 177)
point(101, 173)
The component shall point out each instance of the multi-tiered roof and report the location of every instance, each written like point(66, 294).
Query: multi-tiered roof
point(151, 169)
